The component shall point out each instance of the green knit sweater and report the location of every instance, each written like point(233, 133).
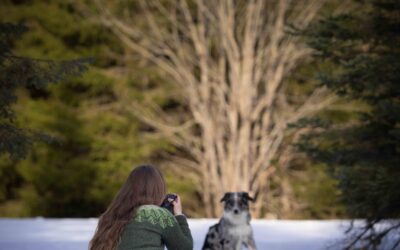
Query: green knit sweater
point(153, 228)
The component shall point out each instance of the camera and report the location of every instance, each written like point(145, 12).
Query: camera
point(167, 202)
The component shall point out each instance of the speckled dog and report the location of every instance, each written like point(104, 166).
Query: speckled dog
point(233, 231)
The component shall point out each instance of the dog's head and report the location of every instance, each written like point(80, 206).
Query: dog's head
point(236, 202)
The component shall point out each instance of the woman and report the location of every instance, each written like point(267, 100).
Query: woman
point(134, 219)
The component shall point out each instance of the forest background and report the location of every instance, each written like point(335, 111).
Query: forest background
point(98, 137)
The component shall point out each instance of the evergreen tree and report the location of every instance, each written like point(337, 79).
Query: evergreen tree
point(361, 50)
point(16, 72)
point(97, 141)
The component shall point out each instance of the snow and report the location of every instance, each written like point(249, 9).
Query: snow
point(281, 234)
point(74, 234)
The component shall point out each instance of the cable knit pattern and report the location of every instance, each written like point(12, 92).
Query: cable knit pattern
point(153, 228)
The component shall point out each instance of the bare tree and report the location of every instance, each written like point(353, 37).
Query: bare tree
point(231, 60)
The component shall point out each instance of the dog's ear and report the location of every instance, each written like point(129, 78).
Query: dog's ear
point(248, 197)
point(226, 197)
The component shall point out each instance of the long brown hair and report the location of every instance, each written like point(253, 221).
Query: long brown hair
point(144, 185)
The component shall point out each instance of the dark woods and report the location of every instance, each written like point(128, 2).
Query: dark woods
point(361, 53)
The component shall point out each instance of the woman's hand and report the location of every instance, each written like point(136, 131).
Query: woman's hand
point(177, 205)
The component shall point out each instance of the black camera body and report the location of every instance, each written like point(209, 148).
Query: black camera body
point(167, 202)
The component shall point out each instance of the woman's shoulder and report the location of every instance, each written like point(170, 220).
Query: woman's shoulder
point(150, 207)
point(144, 209)
point(155, 215)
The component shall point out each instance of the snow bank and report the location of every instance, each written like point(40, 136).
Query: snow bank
point(74, 234)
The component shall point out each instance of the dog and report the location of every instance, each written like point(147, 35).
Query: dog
point(233, 230)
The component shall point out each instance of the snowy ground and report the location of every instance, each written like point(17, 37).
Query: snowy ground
point(74, 234)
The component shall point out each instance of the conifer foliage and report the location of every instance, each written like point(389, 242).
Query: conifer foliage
point(16, 72)
point(362, 48)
